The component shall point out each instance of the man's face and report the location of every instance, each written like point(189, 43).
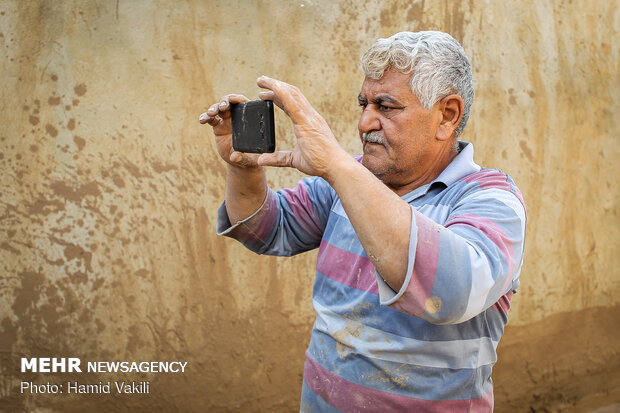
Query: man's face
point(392, 114)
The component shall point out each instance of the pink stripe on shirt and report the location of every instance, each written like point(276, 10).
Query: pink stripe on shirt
point(263, 222)
point(347, 396)
point(503, 304)
point(483, 404)
point(488, 178)
point(301, 206)
point(494, 232)
point(349, 269)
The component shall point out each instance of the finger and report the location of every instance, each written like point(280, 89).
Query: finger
point(214, 121)
point(228, 100)
point(287, 97)
point(267, 82)
point(224, 106)
point(280, 158)
point(267, 95)
point(211, 115)
point(244, 159)
point(211, 120)
point(235, 98)
point(276, 92)
point(213, 110)
point(271, 96)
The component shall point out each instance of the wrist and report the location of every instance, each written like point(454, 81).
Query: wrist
point(245, 170)
point(247, 179)
point(340, 166)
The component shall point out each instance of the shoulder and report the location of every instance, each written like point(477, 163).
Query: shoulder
point(489, 181)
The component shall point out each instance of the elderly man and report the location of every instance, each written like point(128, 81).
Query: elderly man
point(420, 248)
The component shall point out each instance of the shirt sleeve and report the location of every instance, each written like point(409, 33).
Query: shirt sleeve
point(459, 269)
point(289, 222)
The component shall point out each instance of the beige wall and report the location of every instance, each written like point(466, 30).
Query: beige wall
point(110, 188)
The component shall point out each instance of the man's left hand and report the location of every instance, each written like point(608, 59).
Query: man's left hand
point(317, 151)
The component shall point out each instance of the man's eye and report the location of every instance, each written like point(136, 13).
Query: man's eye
point(383, 108)
point(363, 104)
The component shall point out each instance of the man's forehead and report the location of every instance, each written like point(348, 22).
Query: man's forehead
point(392, 84)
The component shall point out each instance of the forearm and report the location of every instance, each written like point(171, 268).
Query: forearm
point(382, 220)
point(246, 189)
point(484, 251)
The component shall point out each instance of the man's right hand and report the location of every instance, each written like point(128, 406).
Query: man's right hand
point(218, 116)
point(246, 186)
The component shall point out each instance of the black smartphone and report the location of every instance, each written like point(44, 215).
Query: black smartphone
point(253, 128)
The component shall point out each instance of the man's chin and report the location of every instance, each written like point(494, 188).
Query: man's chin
point(374, 165)
point(384, 171)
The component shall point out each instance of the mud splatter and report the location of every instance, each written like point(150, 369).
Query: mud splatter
point(75, 194)
point(8, 335)
point(44, 207)
point(51, 130)
point(28, 294)
point(433, 305)
point(74, 251)
point(160, 167)
point(526, 150)
point(118, 181)
point(79, 90)
point(132, 169)
point(79, 142)
point(7, 247)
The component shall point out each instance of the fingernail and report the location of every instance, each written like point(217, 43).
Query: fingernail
point(203, 117)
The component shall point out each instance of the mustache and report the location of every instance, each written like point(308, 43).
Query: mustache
point(372, 137)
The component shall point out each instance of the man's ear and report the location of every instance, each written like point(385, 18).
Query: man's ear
point(451, 108)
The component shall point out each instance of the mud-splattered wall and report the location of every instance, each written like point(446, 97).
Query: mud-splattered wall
point(110, 188)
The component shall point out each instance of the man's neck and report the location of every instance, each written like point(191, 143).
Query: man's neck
point(430, 174)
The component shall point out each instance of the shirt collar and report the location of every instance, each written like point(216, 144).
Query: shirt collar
point(461, 166)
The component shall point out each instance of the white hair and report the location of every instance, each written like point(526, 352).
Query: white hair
point(438, 64)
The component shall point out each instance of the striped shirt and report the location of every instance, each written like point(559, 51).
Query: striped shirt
point(430, 346)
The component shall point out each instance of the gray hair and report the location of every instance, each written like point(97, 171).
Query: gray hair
point(438, 64)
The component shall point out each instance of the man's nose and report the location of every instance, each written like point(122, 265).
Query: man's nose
point(369, 121)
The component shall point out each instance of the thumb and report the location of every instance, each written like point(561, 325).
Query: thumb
point(243, 159)
point(280, 158)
